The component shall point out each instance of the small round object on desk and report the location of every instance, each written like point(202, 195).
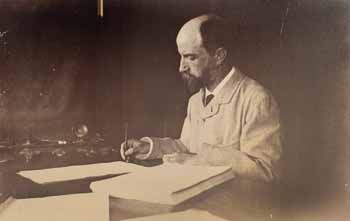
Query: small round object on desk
point(80, 131)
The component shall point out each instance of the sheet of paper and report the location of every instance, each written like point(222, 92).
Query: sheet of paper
point(75, 207)
point(188, 215)
point(156, 184)
point(79, 172)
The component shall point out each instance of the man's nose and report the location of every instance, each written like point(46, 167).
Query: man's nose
point(183, 66)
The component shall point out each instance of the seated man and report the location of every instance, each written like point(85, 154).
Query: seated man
point(232, 120)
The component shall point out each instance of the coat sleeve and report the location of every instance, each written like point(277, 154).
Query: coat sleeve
point(260, 143)
point(261, 137)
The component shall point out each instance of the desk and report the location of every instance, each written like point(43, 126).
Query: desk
point(228, 200)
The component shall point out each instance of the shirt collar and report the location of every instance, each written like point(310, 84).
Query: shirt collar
point(221, 84)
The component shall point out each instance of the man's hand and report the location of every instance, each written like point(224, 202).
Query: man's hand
point(134, 149)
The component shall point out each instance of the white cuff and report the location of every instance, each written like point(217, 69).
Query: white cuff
point(150, 141)
point(122, 151)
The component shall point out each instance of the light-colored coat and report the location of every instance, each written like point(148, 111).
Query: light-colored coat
point(240, 127)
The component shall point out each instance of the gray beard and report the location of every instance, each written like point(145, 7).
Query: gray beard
point(193, 84)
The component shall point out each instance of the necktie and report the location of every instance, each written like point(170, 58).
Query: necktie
point(208, 99)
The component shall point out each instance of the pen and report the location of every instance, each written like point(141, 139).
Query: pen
point(127, 158)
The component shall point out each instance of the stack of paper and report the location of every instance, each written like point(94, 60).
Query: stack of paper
point(69, 173)
point(168, 184)
point(75, 207)
point(188, 215)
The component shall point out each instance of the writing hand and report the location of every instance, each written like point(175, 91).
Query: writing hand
point(136, 149)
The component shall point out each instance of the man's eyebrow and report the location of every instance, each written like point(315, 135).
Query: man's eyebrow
point(189, 54)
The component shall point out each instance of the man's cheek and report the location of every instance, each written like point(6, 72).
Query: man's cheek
point(195, 70)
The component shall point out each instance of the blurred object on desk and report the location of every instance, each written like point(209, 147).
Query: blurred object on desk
point(42, 152)
point(80, 131)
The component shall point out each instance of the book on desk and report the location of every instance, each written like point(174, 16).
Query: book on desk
point(79, 172)
point(66, 180)
point(160, 189)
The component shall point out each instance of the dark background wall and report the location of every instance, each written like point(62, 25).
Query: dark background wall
point(61, 65)
point(48, 63)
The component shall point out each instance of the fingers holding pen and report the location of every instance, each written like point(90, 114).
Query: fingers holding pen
point(133, 148)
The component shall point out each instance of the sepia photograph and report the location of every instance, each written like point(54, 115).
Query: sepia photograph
point(174, 110)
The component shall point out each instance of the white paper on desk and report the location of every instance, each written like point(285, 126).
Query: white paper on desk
point(75, 207)
point(79, 172)
point(160, 184)
point(188, 215)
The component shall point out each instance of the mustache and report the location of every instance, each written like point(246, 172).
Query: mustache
point(185, 74)
point(193, 83)
point(188, 76)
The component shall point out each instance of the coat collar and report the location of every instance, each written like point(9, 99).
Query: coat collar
point(225, 94)
point(223, 97)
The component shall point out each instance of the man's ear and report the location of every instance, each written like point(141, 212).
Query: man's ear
point(220, 55)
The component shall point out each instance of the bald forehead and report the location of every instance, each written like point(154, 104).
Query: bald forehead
point(190, 32)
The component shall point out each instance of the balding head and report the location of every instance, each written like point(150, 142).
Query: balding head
point(190, 32)
point(209, 31)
